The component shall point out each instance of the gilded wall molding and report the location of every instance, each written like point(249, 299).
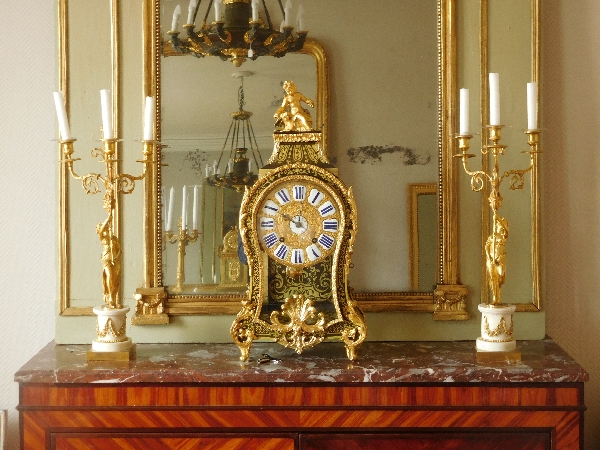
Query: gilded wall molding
point(64, 240)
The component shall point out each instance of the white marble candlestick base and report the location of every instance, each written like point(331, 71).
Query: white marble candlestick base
point(496, 328)
point(112, 342)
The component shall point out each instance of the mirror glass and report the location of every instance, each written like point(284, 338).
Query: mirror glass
point(510, 27)
point(198, 97)
point(384, 135)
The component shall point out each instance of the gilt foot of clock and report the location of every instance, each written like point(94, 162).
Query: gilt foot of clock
point(243, 335)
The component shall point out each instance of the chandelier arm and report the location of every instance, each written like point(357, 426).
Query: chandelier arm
point(200, 39)
point(282, 9)
point(244, 133)
point(196, 11)
point(225, 143)
point(207, 11)
point(267, 14)
point(253, 136)
point(233, 138)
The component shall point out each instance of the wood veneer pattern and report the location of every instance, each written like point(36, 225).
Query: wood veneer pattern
point(370, 395)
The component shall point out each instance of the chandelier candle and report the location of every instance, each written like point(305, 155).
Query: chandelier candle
point(176, 16)
point(300, 18)
point(254, 10)
point(191, 10)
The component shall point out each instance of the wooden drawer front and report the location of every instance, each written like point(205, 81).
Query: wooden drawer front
point(39, 425)
point(492, 440)
point(182, 441)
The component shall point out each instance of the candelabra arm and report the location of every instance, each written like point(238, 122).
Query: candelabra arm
point(518, 176)
point(89, 181)
point(125, 182)
point(478, 176)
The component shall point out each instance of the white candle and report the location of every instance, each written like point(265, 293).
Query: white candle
point(463, 128)
point(183, 210)
point(494, 99)
point(176, 16)
point(532, 107)
point(300, 19)
point(249, 165)
point(215, 168)
point(207, 170)
point(195, 209)
point(218, 10)
point(106, 103)
point(229, 165)
point(170, 210)
point(61, 113)
point(254, 11)
point(191, 9)
point(287, 12)
point(149, 120)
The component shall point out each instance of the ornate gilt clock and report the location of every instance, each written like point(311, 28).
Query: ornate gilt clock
point(298, 223)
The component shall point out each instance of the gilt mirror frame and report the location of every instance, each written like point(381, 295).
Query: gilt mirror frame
point(446, 302)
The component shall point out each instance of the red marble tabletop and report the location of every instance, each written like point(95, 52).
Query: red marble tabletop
point(379, 362)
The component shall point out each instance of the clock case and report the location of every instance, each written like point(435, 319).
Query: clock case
point(300, 322)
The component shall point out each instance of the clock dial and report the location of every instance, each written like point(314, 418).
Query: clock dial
point(299, 222)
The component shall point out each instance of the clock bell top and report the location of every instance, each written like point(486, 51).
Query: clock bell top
point(295, 139)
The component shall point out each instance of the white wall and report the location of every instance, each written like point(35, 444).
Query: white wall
point(571, 164)
point(571, 113)
point(27, 191)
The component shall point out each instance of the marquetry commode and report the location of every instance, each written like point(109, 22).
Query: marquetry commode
point(397, 395)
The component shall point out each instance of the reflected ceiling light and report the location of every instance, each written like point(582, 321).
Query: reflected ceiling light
point(240, 137)
point(239, 31)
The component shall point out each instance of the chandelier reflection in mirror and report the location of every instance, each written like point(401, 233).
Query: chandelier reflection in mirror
point(240, 137)
point(241, 30)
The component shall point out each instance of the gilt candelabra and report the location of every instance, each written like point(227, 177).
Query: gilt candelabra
point(183, 238)
point(112, 342)
point(497, 318)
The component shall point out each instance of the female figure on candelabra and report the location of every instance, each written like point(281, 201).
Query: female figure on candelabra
point(495, 252)
point(291, 114)
point(111, 255)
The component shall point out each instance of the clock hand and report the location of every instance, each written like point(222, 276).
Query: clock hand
point(297, 224)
